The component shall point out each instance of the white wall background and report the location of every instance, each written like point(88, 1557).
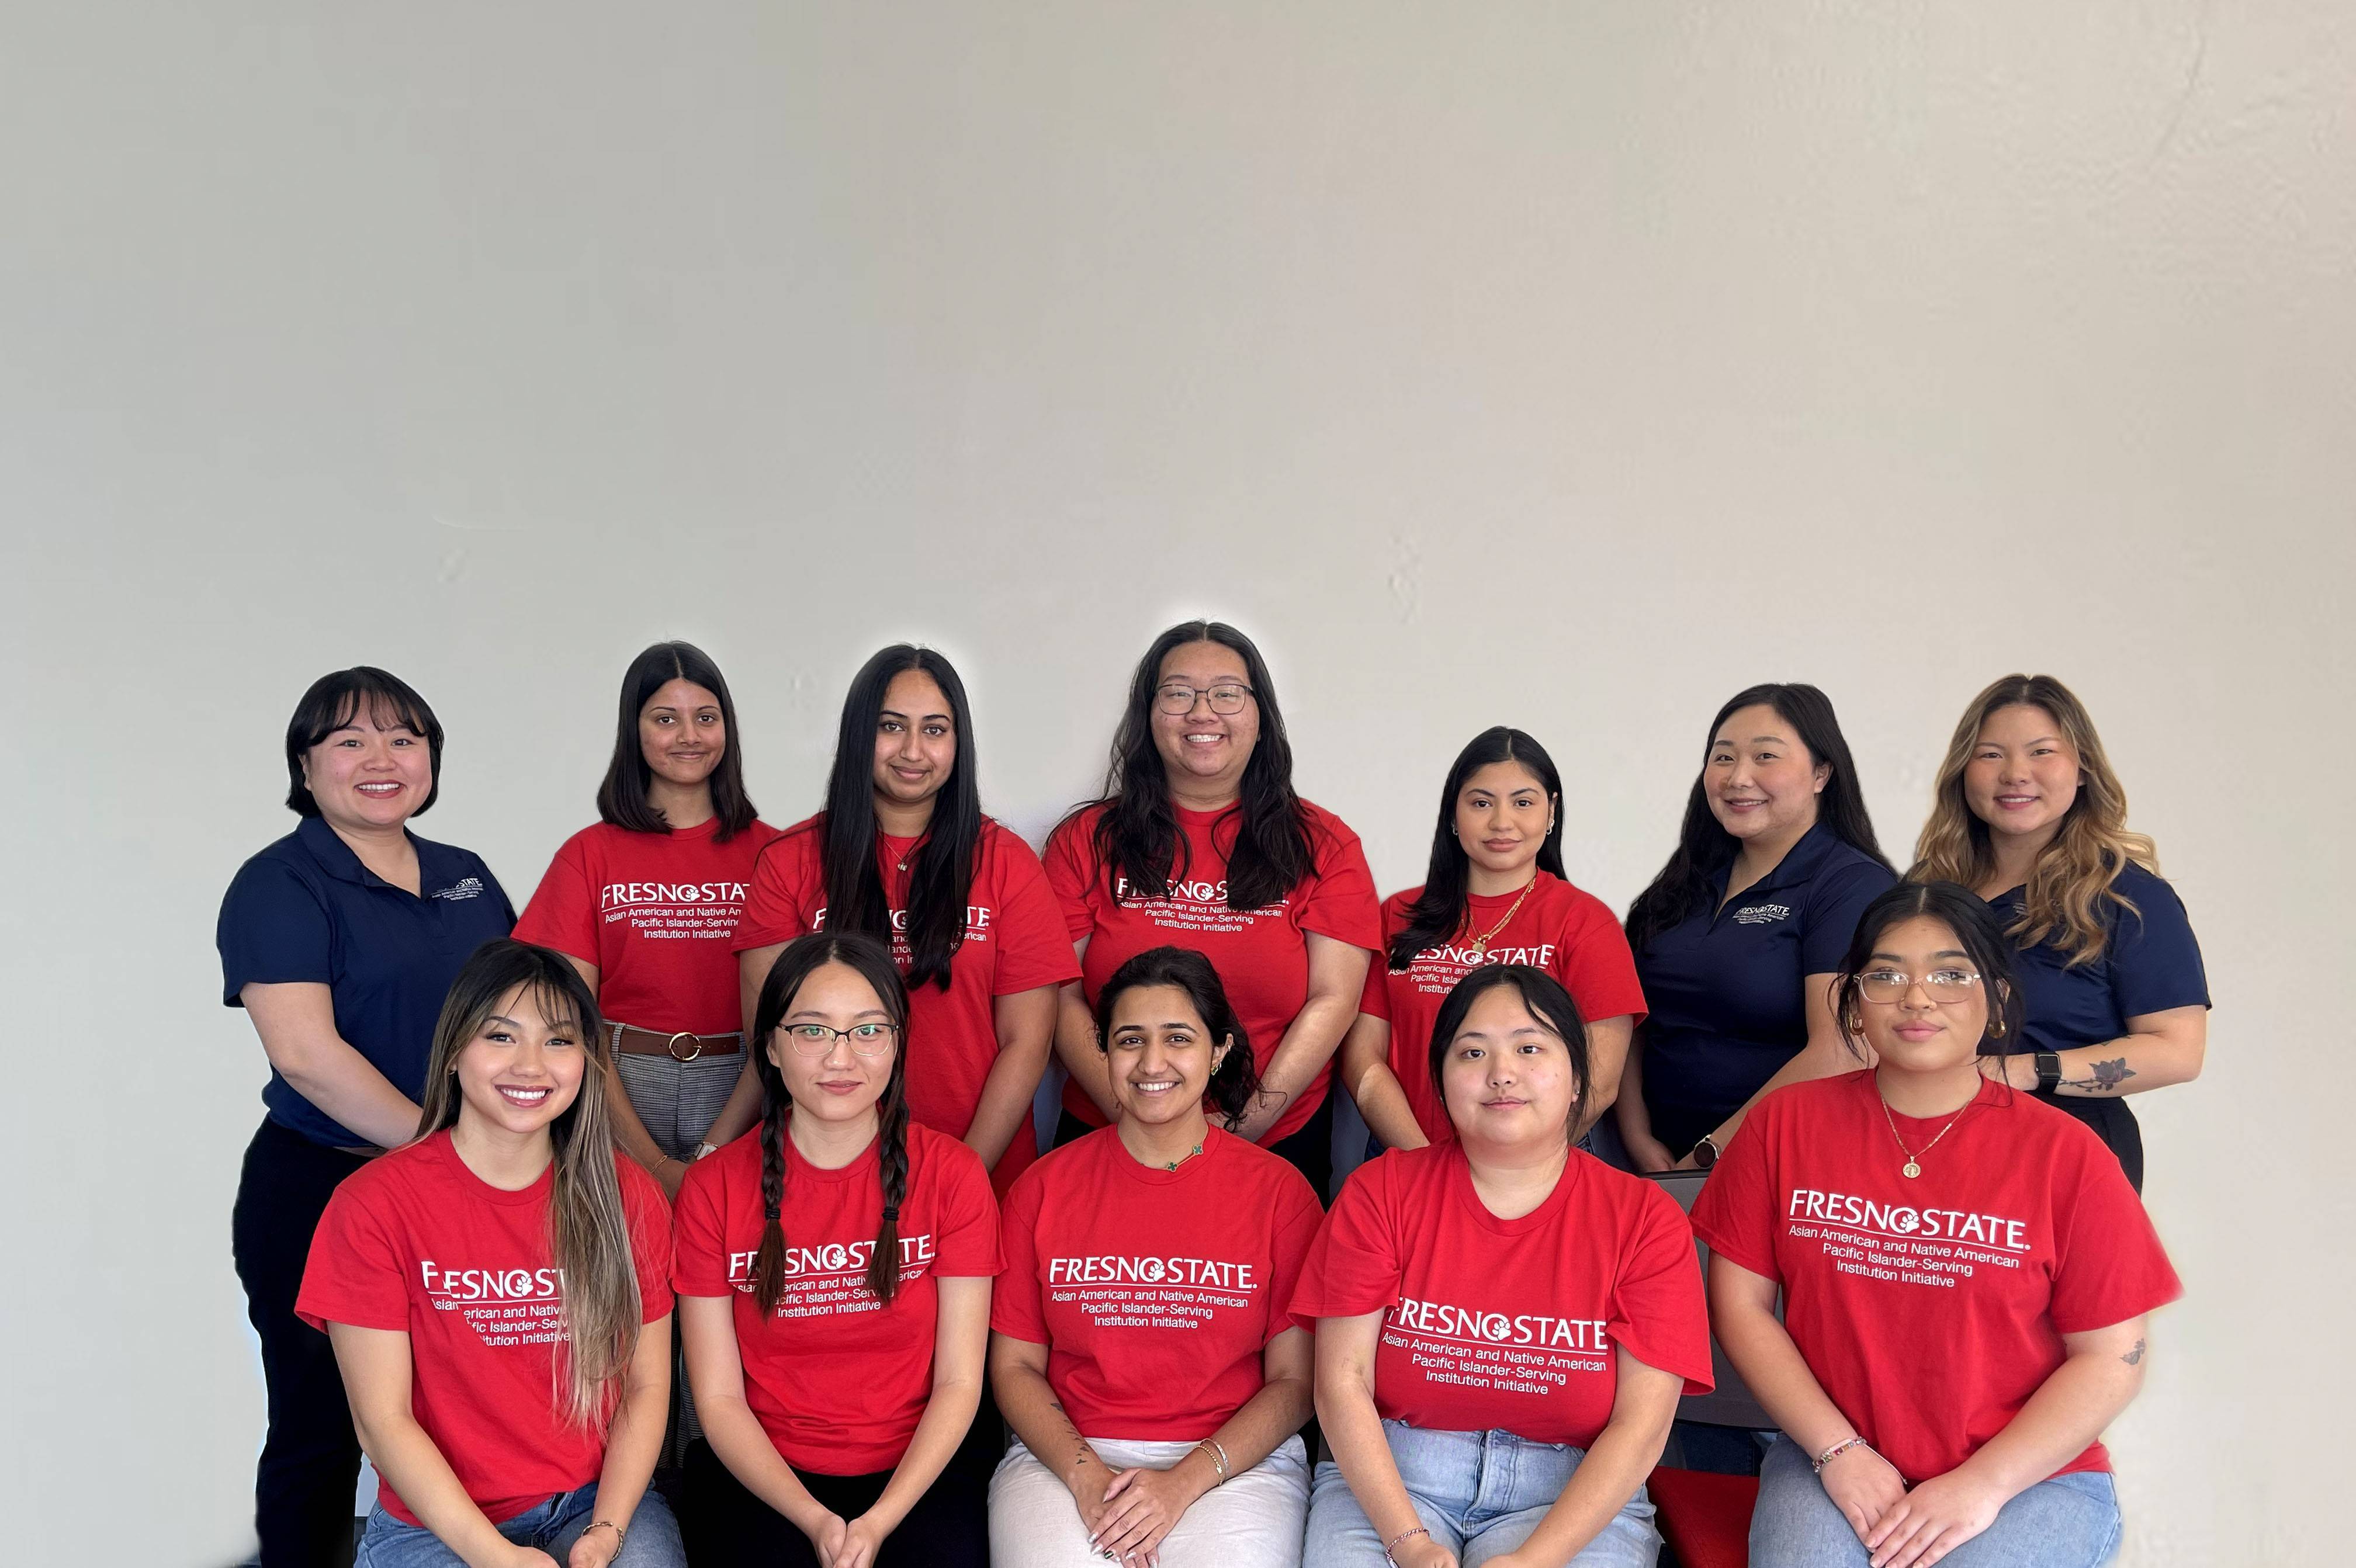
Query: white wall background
point(1568, 365)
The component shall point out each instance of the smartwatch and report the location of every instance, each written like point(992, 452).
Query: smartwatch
point(2049, 1071)
point(1704, 1153)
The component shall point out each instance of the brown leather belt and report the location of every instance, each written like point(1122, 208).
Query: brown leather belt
point(682, 1047)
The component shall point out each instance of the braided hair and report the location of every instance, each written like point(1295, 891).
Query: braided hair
point(873, 962)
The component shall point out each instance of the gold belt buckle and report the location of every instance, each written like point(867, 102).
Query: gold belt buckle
point(695, 1041)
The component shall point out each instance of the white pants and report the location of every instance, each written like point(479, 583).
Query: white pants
point(1255, 1521)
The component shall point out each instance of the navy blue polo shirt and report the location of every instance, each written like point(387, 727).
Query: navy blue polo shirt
point(2150, 963)
point(305, 909)
point(1728, 1007)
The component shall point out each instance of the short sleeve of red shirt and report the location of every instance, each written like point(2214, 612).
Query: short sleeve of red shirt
point(2111, 1265)
point(1070, 865)
point(648, 1213)
point(1735, 1214)
point(355, 1274)
point(969, 1246)
point(1035, 939)
point(1599, 968)
point(1014, 1306)
point(563, 914)
point(786, 887)
point(1340, 900)
point(1352, 1267)
point(1659, 1314)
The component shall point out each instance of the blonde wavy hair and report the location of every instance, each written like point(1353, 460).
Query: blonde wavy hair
point(2074, 882)
point(589, 1233)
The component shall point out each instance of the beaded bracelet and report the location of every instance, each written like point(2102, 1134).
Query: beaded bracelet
point(1391, 1545)
point(1835, 1451)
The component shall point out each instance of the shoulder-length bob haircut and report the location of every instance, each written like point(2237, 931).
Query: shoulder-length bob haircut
point(1976, 933)
point(622, 798)
point(1435, 916)
point(940, 874)
point(331, 703)
point(1234, 1084)
point(1705, 848)
point(1138, 838)
point(872, 961)
point(588, 1230)
point(1548, 1002)
point(2074, 883)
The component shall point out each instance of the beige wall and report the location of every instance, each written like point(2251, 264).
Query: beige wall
point(1568, 365)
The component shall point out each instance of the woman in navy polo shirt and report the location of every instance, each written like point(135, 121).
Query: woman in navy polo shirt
point(339, 941)
point(2028, 814)
point(1738, 938)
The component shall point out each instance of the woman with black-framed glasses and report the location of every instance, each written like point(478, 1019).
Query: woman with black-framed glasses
point(1200, 842)
point(833, 1271)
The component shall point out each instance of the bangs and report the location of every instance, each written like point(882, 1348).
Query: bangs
point(386, 709)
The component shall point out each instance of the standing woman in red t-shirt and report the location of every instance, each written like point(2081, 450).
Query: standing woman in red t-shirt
point(1495, 894)
point(1505, 1323)
point(495, 1293)
point(1140, 1348)
point(834, 1266)
point(904, 853)
point(1200, 841)
point(645, 904)
point(1965, 1275)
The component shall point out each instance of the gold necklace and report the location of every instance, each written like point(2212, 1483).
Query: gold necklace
point(1175, 1164)
point(1914, 1166)
point(1480, 944)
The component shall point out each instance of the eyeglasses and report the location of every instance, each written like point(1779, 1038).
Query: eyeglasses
point(817, 1040)
point(1224, 698)
point(1942, 986)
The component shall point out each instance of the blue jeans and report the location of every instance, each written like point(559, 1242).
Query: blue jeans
point(2069, 1521)
point(652, 1541)
point(1481, 1494)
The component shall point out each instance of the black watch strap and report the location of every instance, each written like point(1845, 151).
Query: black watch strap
point(2049, 1071)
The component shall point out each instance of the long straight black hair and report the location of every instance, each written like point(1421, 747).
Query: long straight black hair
point(872, 960)
point(622, 798)
point(1435, 916)
point(1705, 848)
point(940, 874)
point(1137, 839)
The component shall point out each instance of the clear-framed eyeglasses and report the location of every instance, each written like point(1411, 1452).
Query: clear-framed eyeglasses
point(817, 1040)
point(1226, 698)
point(1949, 983)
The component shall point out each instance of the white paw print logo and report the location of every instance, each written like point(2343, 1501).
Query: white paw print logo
point(1905, 1222)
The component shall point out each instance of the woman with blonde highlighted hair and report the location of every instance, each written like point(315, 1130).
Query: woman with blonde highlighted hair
point(2028, 814)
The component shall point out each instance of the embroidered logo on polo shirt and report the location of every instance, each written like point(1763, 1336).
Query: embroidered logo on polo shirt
point(464, 888)
point(1762, 914)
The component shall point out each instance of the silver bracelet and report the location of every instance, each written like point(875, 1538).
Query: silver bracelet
point(1218, 1458)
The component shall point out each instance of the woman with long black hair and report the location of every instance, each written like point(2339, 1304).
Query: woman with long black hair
point(1201, 841)
point(834, 1270)
point(1737, 938)
point(1495, 892)
point(904, 853)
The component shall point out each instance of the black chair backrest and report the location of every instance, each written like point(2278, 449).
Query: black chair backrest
point(1729, 1404)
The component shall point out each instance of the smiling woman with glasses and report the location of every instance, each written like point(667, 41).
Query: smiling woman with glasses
point(833, 1273)
point(1964, 1271)
point(1201, 841)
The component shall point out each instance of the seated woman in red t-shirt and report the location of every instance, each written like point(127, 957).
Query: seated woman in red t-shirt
point(834, 1268)
point(1505, 1323)
point(494, 1294)
point(1965, 1275)
point(1140, 1350)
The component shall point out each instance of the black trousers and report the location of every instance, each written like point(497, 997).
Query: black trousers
point(725, 1525)
point(310, 1459)
point(1309, 1150)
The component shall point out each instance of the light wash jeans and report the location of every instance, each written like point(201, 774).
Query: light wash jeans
point(1481, 1494)
point(1252, 1521)
point(2069, 1521)
point(652, 1541)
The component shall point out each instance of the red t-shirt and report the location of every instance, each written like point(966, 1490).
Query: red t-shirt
point(655, 913)
point(417, 1243)
point(837, 1379)
point(1930, 1309)
point(1262, 955)
point(1155, 1291)
point(1560, 928)
point(1509, 1323)
point(1015, 942)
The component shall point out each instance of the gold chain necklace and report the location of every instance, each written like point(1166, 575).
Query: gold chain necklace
point(1914, 1166)
point(1480, 944)
point(1175, 1164)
